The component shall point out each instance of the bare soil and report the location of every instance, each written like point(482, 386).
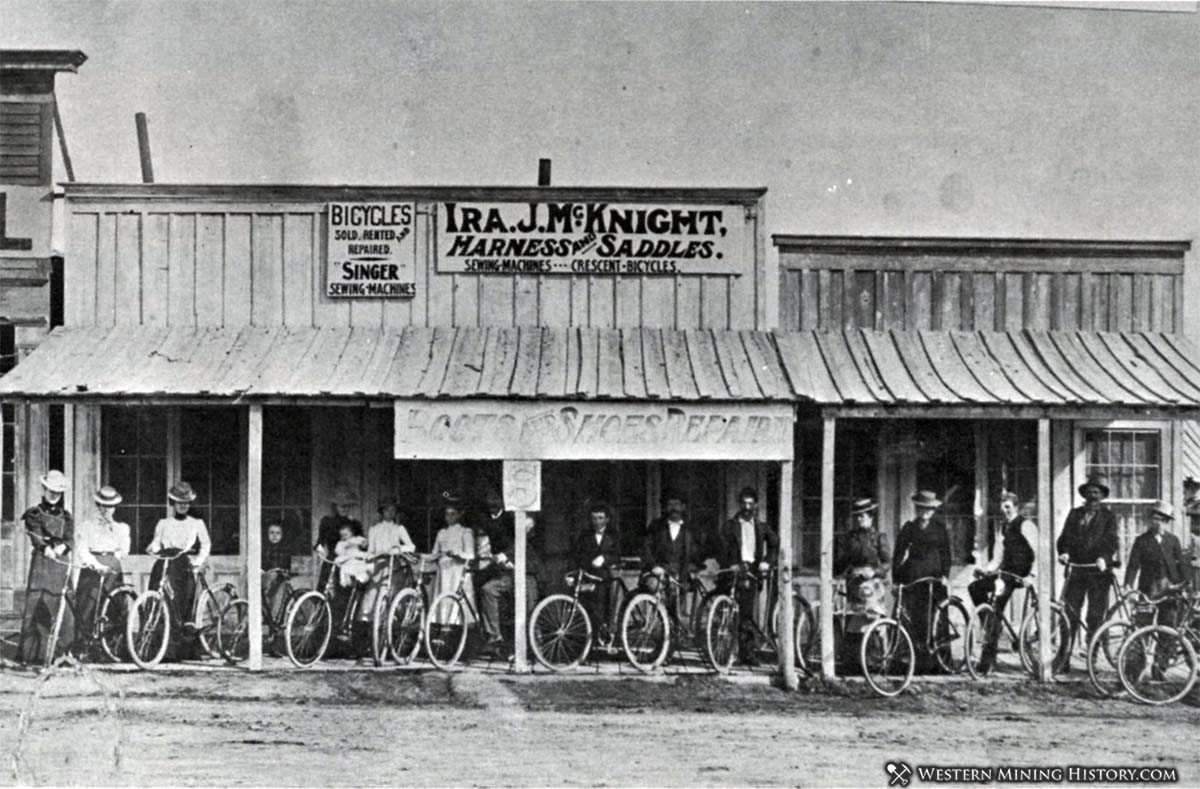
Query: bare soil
point(478, 729)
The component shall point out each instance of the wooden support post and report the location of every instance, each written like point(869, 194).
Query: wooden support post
point(1045, 551)
point(520, 662)
point(143, 139)
point(253, 552)
point(827, 651)
point(787, 616)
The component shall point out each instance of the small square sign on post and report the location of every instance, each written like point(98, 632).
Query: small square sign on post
point(523, 485)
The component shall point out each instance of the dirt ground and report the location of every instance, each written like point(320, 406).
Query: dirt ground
point(480, 729)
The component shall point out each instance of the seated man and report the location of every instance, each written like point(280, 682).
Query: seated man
point(669, 549)
point(597, 552)
point(747, 542)
point(1013, 554)
point(499, 585)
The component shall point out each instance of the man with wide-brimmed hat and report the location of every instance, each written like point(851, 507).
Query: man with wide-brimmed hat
point(341, 502)
point(1156, 558)
point(174, 536)
point(51, 529)
point(100, 544)
point(1089, 536)
point(922, 551)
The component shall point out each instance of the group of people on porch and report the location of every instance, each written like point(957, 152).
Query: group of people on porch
point(671, 545)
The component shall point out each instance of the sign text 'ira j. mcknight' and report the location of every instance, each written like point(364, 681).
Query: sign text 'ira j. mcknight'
point(370, 250)
point(590, 238)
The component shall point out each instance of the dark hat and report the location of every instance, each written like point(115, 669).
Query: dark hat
point(1097, 482)
point(181, 491)
point(107, 496)
point(747, 493)
point(388, 501)
point(673, 493)
point(863, 505)
point(926, 499)
point(451, 498)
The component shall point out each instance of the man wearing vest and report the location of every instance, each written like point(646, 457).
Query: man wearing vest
point(1089, 536)
point(1013, 553)
point(669, 549)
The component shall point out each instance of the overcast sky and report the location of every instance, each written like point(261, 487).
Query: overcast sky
point(906, 118)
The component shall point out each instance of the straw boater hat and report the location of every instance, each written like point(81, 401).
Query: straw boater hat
point(344, 496)
point(54, 481)
point(181, 491)
point(863, 505)
point(451, 498)
point(926, 499)
point(107, 496)
point(1163, 509)
point(1096, 482)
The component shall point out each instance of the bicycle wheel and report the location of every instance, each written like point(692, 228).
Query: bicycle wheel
point(209, 605)
point(233, 632)
point(951, 624)
point(1060, 641)
point(148, 629)
point(645, 632)
point(804, 626)
point(887, 657)
point(110, 627)
point(721, 633)
point(1157, 665)
point(560, 632)
point(405, 621)
point(1103, 674)
point(380, 648)
point(446, 631)
point(977, 637)
point(308, 626)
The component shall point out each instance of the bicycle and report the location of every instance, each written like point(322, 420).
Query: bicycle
point(647, 636)
point(309, 625)
point(1103, 672)
point(887, 653)
point(987, 618)
point(1157, 663)
point(1066, 623)
point(233, 634)
point(446, 623)
point(107, 628)
point(722, 627)
point(804, 624)
point(148, 628)
point(399, 619)
point(561, 632)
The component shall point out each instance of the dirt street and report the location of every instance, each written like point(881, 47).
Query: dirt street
point(368, 728)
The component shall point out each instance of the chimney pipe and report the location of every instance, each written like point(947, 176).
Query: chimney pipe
point(543, 172)
point(143, 137)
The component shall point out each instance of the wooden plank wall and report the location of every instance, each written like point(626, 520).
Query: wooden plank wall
point(831, 292)
point(263, 264)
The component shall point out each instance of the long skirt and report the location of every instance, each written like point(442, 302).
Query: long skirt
point(183, 645)
point(43, 598)
point(91, 591)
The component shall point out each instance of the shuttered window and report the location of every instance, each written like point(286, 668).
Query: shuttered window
point(24, 142)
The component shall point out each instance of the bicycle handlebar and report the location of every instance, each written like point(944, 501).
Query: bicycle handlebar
point(102, 570)
point(929, 579)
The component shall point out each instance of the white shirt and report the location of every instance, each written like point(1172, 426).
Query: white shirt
point(747, 541)
point(386, 535)
point(1029, 532)
point(599, 537)
point(181, 534)
point(673, 528)
point(101, 536)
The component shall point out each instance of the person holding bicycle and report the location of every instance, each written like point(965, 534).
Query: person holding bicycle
point(179, 534)
point(454, 546)
point(1156, 562)
point(862, 556)
point(669, 549)
point(922, 551)
point(386, 538)
point(747, 541)
point(496, 582)
point(100, 544)
point(341, 501)
point(51, 529)
point(1014, 556)
point(1089, 536)
point(598, 551)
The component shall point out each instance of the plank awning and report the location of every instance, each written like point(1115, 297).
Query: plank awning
point(848, 369)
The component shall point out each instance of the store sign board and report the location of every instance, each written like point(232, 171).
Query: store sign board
point(370, 251)
point(593, 238)
point(563, 430)
point(523, 485)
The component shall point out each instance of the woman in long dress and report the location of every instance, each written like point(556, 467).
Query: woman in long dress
point(100, 544)
point(455, 548)
point(52, 532)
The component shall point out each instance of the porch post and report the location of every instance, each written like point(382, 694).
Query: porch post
point(827, 651)
point(787, 641)
point(1045, 551)
point(520, 664)
point(253, 552)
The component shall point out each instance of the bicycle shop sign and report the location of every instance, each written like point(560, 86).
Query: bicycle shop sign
point(498, 430)
point(589, 238)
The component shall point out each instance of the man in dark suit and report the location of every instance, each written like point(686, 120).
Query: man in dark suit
point(669, 549)
point(1089, 536)
point(597, 551)
point(746, 541)
point(1156, 559)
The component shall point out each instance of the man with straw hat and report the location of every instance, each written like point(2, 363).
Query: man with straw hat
point(52, 532)
point(100, 544)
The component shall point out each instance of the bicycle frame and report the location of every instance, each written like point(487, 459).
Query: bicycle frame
point(902, 615)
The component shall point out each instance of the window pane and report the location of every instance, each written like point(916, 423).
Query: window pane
point(152, 481)
point(224, 527)
point(120, 432)
point(152, 429)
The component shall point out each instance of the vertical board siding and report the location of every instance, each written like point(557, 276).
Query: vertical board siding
point(629, 302)
point(239, 282)
point(210, 270)
point(181, 273)
point(127, 304)
point(266, 270)
point(495, 301)
point(156, 268)
point(299, 284)
point(79, 274)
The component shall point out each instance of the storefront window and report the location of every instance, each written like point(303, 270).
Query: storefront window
point(210, 461)
point(855, 476)
point(287, 475)
point(134, 451)
point(1012, 467)
point(945, 453)
point(1131, 462)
